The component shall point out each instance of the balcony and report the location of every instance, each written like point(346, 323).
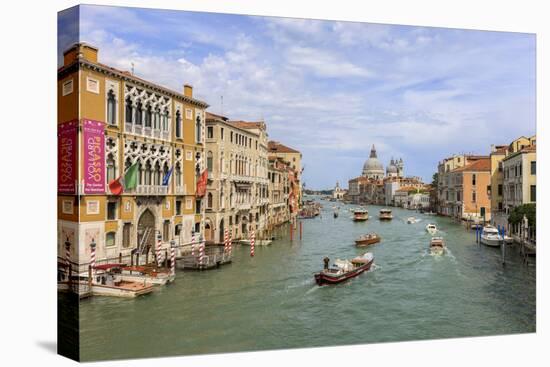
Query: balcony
point(181, 190)
point(140, 130)
point(151, 190)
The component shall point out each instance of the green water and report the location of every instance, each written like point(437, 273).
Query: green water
point(271, 301)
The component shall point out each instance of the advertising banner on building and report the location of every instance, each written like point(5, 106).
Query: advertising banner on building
point(67, 157)
point(93, 141)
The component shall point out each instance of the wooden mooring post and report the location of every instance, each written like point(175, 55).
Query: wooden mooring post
point(300, 230)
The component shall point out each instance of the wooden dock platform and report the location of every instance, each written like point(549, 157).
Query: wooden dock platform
point(214, 257)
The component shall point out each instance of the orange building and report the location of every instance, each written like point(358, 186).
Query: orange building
point(472, 187)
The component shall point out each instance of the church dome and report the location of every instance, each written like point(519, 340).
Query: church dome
point(372, 166)
point(392, 168)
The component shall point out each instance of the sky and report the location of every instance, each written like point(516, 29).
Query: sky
point(330, 89)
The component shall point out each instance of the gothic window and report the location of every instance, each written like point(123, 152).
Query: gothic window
point(140, 174)
point(178, 124)
point(165, 121)
point(178, 174)
point(139, 113)
point(156, 121)
point(198, 129)
point(126, 235)
point(129, 109)
point(111, 168)
point(156, 175)
point(148, 171)
point(148, 116)
point(111, 108)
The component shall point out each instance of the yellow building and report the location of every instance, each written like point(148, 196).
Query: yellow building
point(293, 157)
point(498, 154)
point(108, 120)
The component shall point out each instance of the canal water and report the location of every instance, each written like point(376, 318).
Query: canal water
point(271, 301)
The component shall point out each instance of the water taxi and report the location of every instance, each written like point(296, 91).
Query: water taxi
point(108, 282)
point(368, 239)
point(431, 228)
point(343, 270)
point(437, 246)
point(360, 215)
point(385, 214)
point(147, 274)
point(411, 220)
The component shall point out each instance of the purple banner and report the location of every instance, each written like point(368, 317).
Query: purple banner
point(93, 137)
point(66, 157)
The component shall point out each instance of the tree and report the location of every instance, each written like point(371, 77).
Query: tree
point(529, 210)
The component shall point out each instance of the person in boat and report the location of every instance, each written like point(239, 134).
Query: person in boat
point(326, 260)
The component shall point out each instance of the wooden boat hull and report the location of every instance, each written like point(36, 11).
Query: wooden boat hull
point(323, 278)
point(129, 291)
point(368, 242)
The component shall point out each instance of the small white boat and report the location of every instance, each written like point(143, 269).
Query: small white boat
point(411, 220)
point(385, 214)
point(491, 237)
point(431, 228)
point(147, 275)
point(437, 246)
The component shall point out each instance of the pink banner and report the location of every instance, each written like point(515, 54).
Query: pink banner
point(93, 138)
point(66, 157)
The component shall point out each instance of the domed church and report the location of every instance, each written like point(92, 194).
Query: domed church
point(395, 168)
point(372, 167)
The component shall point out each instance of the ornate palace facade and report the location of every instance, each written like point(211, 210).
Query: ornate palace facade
point(108, 121)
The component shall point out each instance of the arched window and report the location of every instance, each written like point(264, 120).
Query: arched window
point(139, 114)
point(209, 163)
point(110, 238)
point(222, 204)
point(156, 175)
point(209, 200)
point(148, 171)
point(165, 121)
point(157, 119)
point(129, 110)
point(178, 124)
point(177, 172)
point(111, 168)
point(111, 108)
point(140, 174)
point(198, 129)
point(148, 116)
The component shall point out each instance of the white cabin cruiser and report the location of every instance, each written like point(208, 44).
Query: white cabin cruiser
point(431, 228)
point(491, 237)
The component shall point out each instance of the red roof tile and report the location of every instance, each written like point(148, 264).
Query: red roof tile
point(276, 147)
point(483, 164)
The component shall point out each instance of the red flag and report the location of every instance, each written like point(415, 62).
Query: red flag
point(116, 187)
point(201, 184)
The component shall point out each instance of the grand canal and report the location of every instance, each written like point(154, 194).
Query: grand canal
point(271, 301)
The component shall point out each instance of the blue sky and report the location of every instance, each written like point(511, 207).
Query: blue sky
point(331, 89)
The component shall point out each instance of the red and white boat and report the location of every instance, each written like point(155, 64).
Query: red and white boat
point(344, 269)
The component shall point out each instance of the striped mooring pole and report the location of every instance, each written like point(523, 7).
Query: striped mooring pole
point(68, 252)
point(193, 245)
point(252, 238)
point(159, 242)
point(230, 243)
point(92, 254)
point(173, 256)
point(225, 241)
point(201, 251)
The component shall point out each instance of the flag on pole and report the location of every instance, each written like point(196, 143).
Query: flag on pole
point(167, 176)
point(129, 181)
point(201, 184)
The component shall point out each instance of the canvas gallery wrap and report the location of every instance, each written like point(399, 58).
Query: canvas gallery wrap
point(232, 183)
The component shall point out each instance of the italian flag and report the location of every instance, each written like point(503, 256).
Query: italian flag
point(127, 181)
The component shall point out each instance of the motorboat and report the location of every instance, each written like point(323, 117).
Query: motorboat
point(411, 220)
point(343, 270)
point(360, 215)
point(437, 246)
point(108, 281)
point(368, 239)
point(147, 274)
point(431, 228)
point(385, 214)
point(491, 237)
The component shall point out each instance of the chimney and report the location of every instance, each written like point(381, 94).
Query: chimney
point(80, 50)
point(188, 90)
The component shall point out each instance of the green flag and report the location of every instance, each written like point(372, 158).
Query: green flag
point(130, 178)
